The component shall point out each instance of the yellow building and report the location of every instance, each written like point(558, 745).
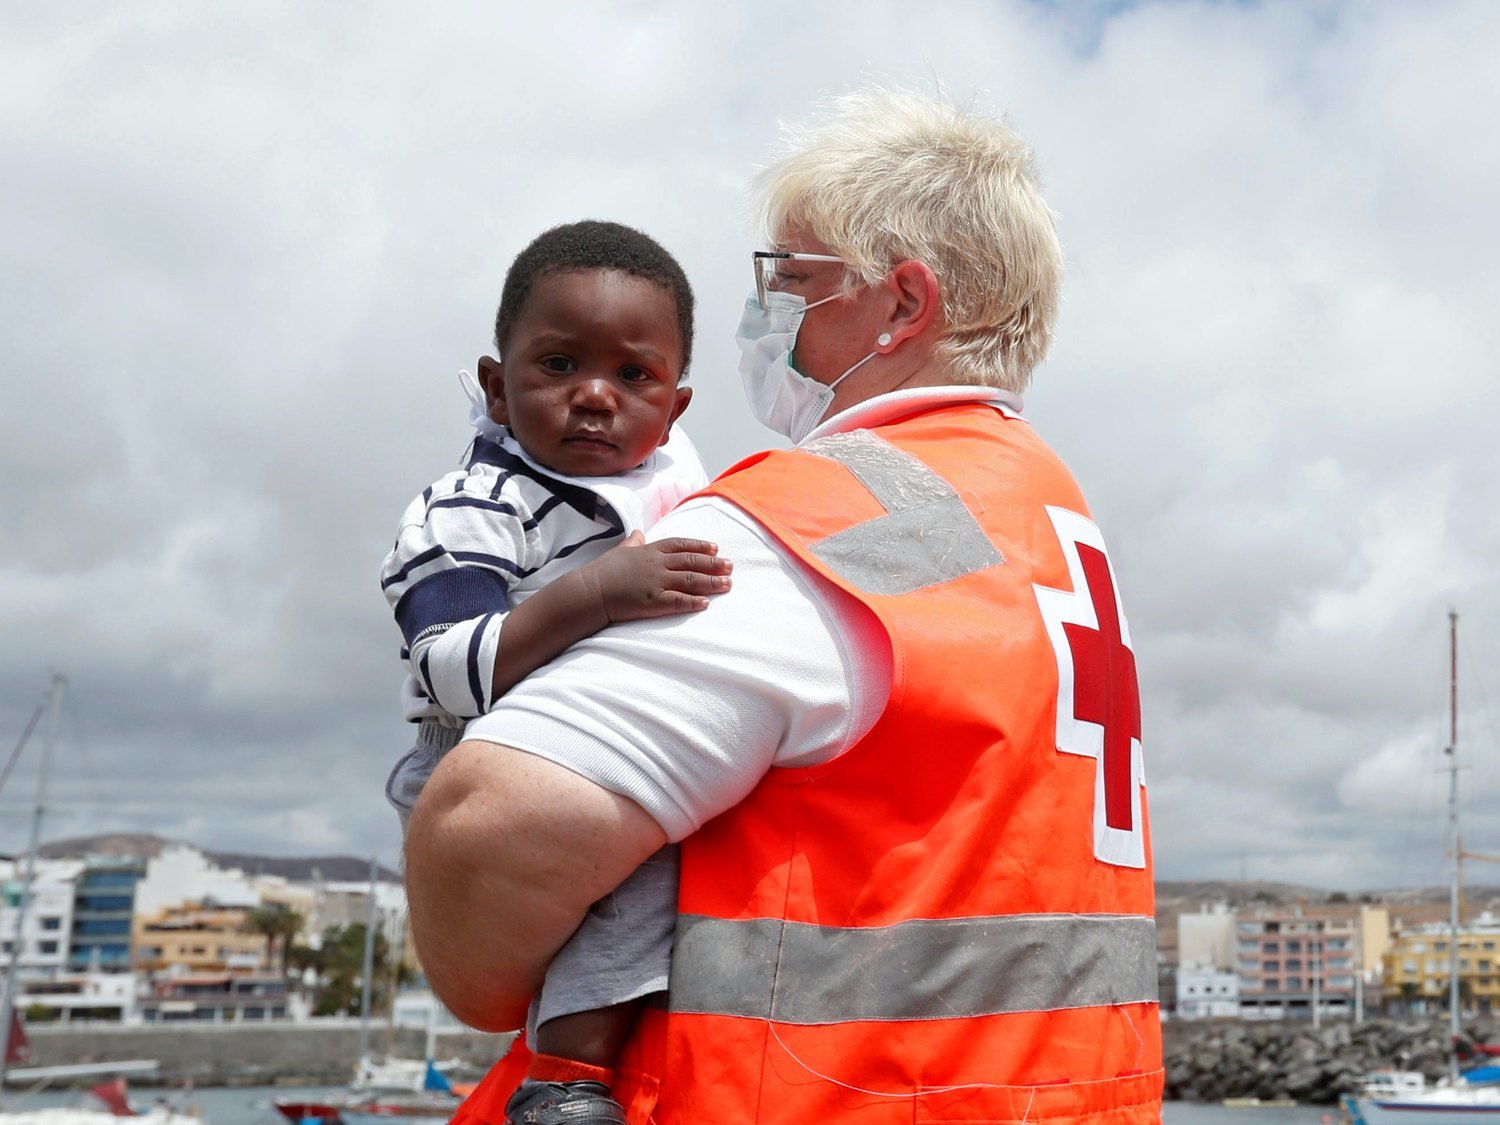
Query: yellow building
point(197, 938)
point(1418, 968)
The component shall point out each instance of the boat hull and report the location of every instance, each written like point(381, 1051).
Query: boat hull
point(298, 1112)
point(1454, 1106)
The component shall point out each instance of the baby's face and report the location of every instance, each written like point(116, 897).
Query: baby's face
point(588, 383)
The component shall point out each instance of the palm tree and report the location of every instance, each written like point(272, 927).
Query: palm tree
point(274, 922)
point(341, 964)
point(289, 926)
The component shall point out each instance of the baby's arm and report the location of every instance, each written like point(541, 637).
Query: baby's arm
point(634, 580)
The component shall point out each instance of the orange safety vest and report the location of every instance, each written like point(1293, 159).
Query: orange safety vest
point(952, 921)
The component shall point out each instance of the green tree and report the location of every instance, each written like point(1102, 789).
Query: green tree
point(278, 924)
point(340, 963)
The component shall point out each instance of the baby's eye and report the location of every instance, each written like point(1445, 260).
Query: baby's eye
point(633, 374)
point(561, 364)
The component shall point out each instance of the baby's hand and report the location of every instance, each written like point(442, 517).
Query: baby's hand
point(637, 579)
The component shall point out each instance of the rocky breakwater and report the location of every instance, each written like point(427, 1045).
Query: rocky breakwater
point(1209, 1060)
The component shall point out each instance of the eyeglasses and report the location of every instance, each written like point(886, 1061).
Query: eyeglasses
point(766, 261)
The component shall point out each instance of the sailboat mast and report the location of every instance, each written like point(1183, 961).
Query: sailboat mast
point(366, 989)
point(8, 1004)
point(1455, 839)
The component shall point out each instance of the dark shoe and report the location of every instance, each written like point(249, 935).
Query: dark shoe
point(563, 1103)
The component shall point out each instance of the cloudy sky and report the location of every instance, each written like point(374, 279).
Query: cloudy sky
point(248, 246)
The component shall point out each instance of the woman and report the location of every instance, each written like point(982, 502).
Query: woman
point(902, 754)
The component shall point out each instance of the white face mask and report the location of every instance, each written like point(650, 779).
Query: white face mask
point(780, 396)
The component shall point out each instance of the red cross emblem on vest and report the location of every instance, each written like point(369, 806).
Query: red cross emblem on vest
point(1098, 696)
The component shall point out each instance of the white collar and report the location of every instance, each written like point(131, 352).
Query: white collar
point(913, 400)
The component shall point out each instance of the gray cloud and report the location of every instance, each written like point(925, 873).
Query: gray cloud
point(249, 248)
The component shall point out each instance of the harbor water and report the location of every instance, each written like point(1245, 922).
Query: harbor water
point(251, 1105)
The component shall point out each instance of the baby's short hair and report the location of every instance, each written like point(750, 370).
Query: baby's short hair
point(595, 244)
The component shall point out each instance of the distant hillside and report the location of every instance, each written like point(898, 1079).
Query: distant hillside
point(1172, 898)
point(144, 845)
point(1409, 906)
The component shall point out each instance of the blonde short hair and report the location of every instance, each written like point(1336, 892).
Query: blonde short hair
point(890, 175)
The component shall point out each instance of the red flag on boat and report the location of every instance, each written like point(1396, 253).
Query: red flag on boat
point(17, 1047)
point(112, 1094)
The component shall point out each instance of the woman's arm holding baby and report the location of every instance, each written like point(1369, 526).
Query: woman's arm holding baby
point(632, 581)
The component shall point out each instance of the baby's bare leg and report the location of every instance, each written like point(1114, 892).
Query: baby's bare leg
point(594, 1037)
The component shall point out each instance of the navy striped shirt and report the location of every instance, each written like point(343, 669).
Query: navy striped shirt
point(483, 538)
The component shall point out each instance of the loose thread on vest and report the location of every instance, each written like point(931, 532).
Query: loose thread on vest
point(1025, 1114)
point(782, 1043)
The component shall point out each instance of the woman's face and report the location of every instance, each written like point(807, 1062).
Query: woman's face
point(836, 336)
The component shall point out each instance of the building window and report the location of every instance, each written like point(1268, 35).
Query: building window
point(1272, 966)
point(1294, 964)
point(102, 926)
point(107, 880)
point(1294, 946)
point(50, 923)
point(103, 902)
point(1270, 947)
point(1294, 984)
point(46, 947)
point(1272, 986)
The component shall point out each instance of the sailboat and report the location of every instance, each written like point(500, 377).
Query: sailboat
point(13, 1043)
point(411, 1089)
point(1472, 1098)
point(414, 1090)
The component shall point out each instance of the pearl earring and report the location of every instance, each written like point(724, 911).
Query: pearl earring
point(883, 339)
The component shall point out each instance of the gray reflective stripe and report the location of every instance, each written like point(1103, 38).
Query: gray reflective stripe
point(797, 973)
point(928, 536)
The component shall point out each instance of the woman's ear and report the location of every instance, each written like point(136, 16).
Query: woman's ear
point(917, 306)
point(492, 379)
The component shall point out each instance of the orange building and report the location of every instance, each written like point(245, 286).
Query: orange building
point(197, 938)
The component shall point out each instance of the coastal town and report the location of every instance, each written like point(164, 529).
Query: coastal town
point(139, 930)
point(144, 931)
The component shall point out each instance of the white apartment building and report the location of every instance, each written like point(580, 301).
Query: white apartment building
point(1205, 992)
point(48, 917)
point(345, 904)
point(1207, 938)
point(182, 874)
point(74, 997)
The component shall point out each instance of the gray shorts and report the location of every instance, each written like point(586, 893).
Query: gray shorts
point(623, 949)
point(412, 769)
